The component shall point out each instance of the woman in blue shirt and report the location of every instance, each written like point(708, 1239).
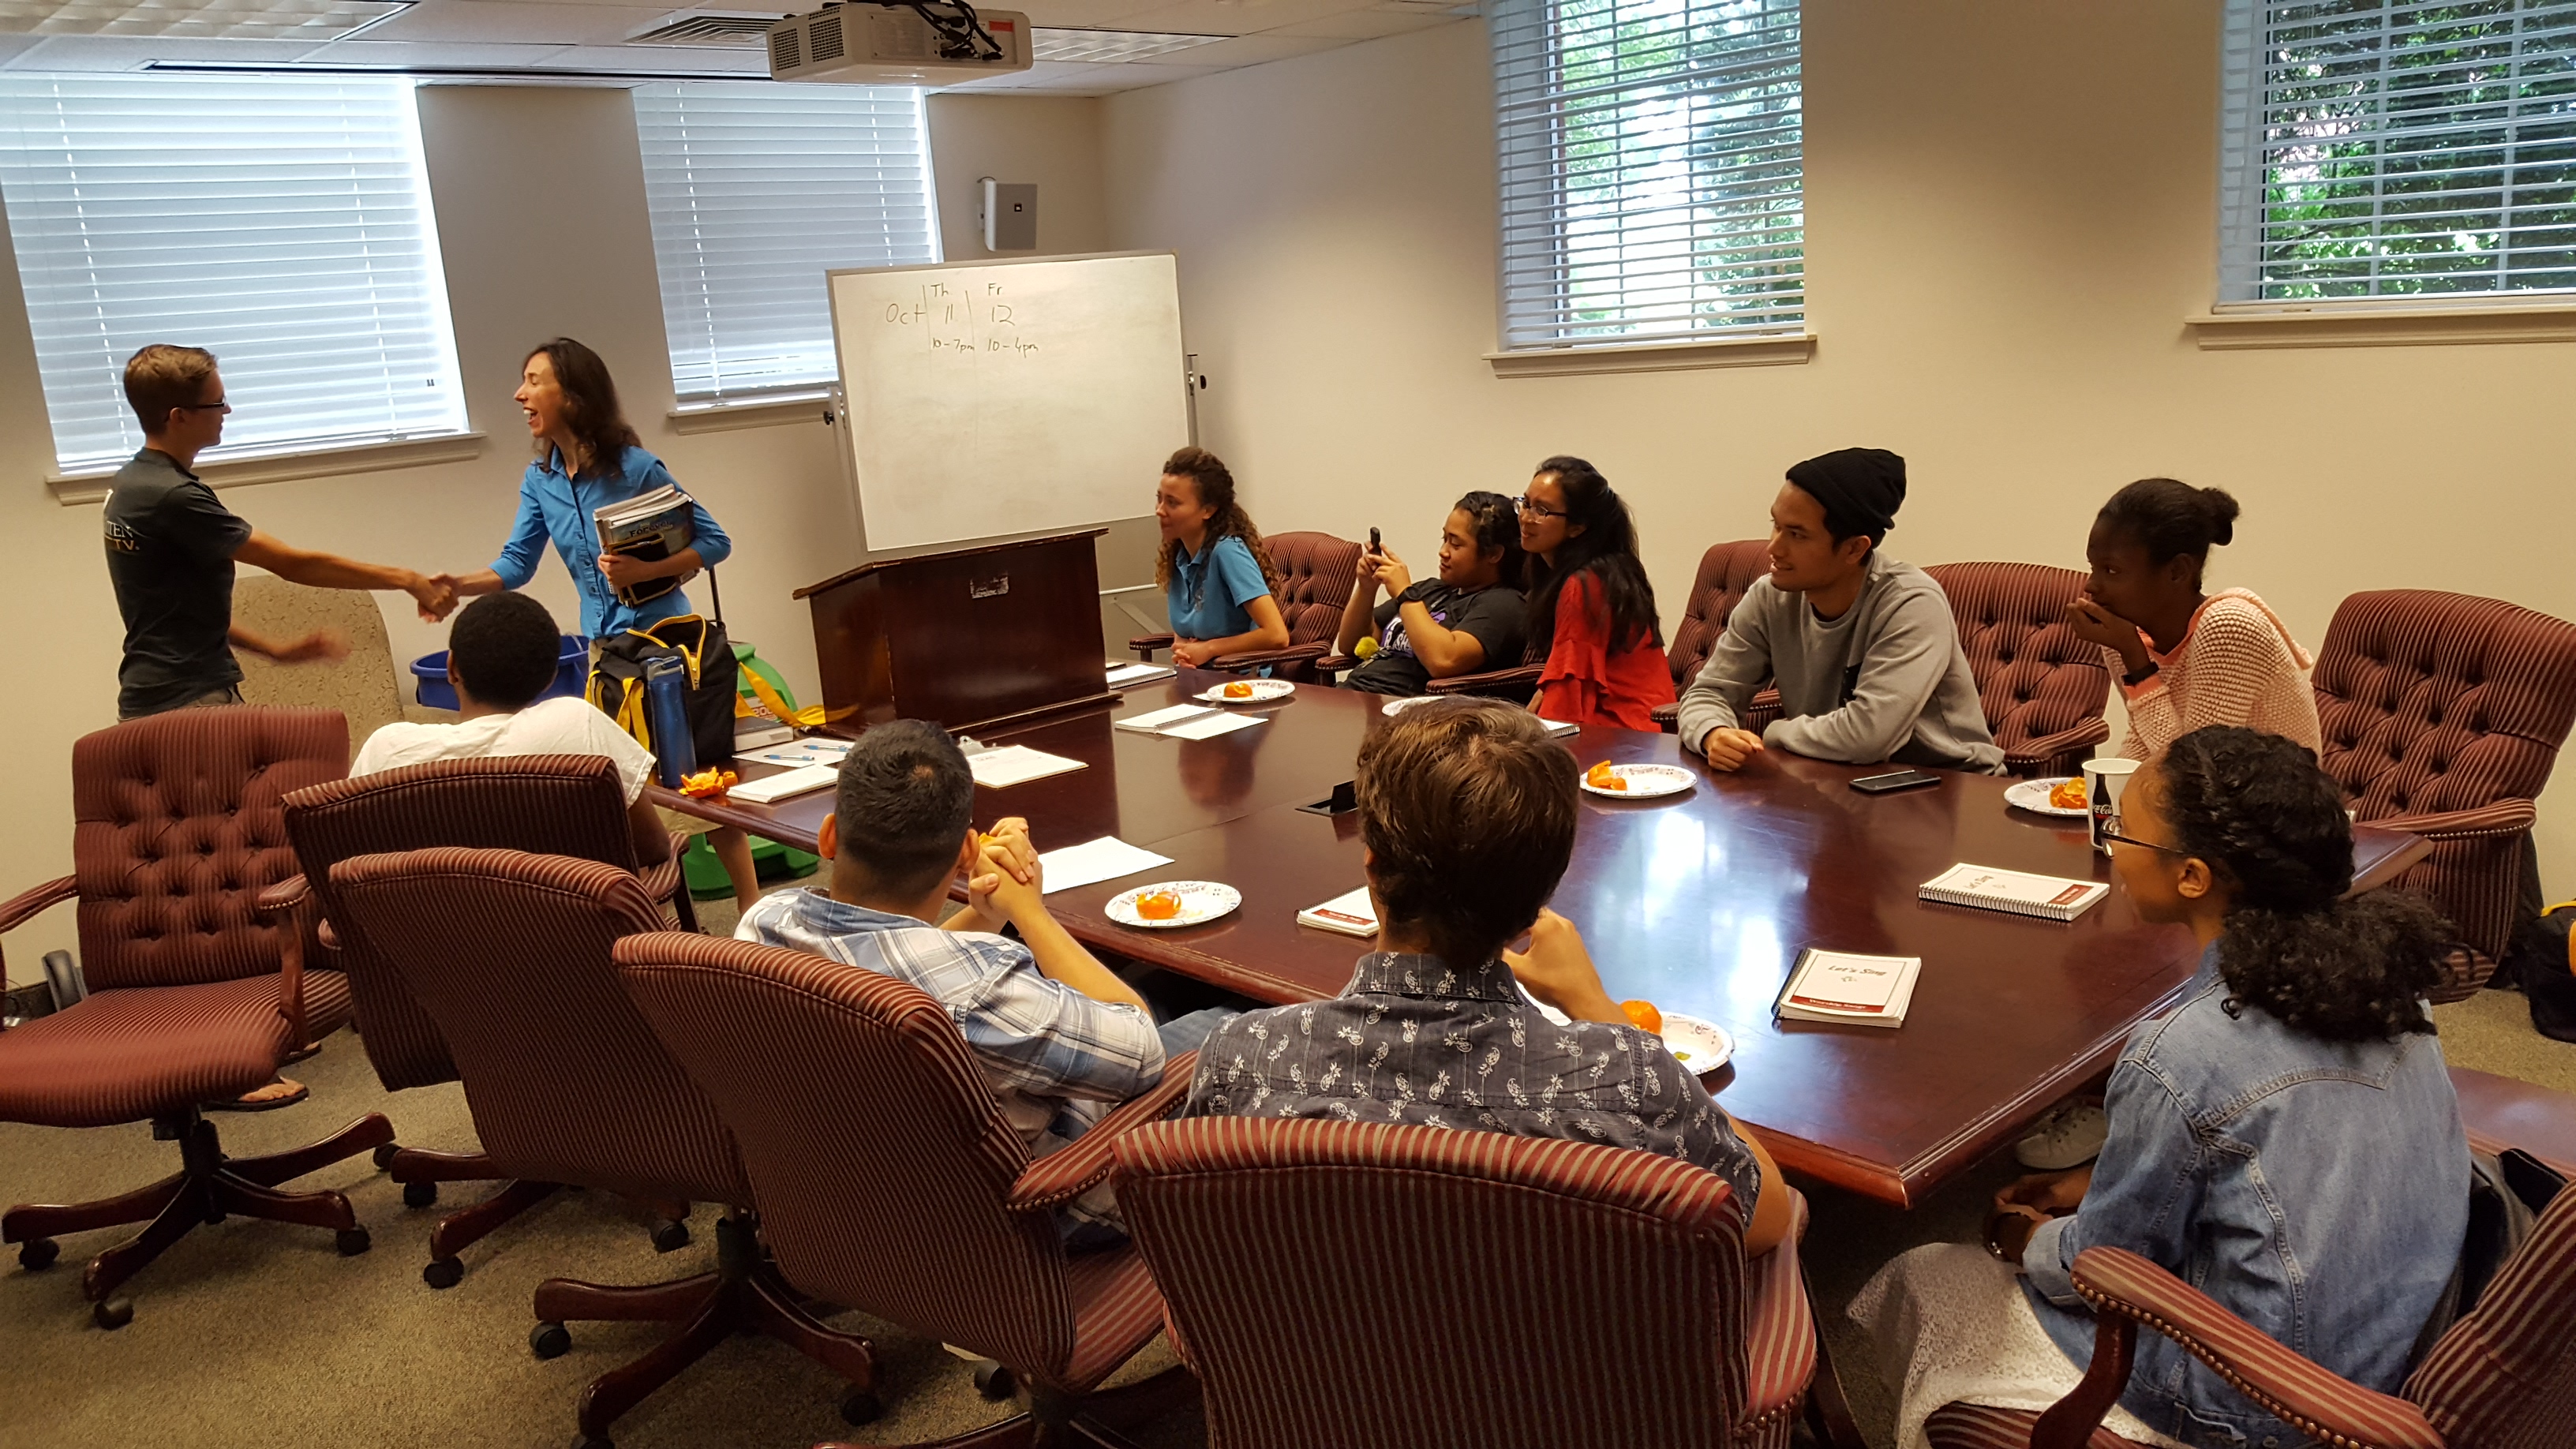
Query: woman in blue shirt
point(2286, 1139)
point(1215, 573)
point(587, 458)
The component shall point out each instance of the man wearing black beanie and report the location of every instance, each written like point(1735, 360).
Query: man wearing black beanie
point(1862, 647)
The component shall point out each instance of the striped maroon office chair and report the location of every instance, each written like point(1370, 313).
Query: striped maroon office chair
point(194, 997)
point(1315, 574)
point(890, 1182)
point(2041, 687)
point(1360, 1284)
point(2503, 1377)
point(2443, 715)
point(1726, 574)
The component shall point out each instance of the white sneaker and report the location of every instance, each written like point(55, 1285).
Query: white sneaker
point(2069, 1136)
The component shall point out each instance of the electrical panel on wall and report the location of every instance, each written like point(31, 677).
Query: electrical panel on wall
point(1010, 212)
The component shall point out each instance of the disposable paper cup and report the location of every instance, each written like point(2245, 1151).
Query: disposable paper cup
point(2103, 781)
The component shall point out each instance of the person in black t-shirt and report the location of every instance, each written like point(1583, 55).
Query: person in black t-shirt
point(1468, 619)
point(171, 547)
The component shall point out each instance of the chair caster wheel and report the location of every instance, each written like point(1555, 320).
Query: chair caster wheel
point(112, 1313)
point(443, 1273)
point(38, 1254)
point(995, 1380)
point(420, 1194)
point(549, 1340)
point(385, 1156)
point(670, 1237)
point(858, 1406)
point(353, 1241)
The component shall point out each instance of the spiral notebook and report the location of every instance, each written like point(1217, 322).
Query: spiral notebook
point(2050, 897)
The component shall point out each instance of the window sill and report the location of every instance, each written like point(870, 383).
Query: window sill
point(761, 412)
point(2366, 325)
point(71, 489)
point(1770, 349)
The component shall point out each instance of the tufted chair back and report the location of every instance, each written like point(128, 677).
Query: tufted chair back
point(177, 829)
point(2443, 714)
point(2041, 687)
point(1315, 572)
point(1726, 572)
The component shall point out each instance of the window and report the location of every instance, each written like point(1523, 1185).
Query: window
point(2380, 149)
point(756, 189)
point(1652, 181)
point(281, 223)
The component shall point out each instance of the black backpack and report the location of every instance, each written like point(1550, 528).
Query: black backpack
point(2542, 961)
point(713, 677)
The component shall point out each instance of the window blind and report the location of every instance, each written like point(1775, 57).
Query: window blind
point(757, 188)
point(1651, 167)
point(2380, 149)
point(282, 223)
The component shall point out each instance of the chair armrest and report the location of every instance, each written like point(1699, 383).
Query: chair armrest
point(1520, 676)
point(292, 898)
point(1061, 1176)
point(286, 895)
point(1257, 658)
point(2127, 1288)
point(1336, 663)
point(1762, 710)
point(2504, 817)
point(1667, 717)
point(659, 881)
point(2048, 747)
point(1146, 644)
point(24, 908)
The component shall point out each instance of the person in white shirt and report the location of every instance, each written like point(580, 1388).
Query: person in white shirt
point(501, 655)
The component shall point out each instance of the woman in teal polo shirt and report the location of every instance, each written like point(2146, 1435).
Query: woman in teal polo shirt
point(1215, 573)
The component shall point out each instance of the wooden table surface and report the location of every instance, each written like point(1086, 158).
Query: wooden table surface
point(1697, 902)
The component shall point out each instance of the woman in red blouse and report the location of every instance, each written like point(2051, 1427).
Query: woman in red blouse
point(1591, 609)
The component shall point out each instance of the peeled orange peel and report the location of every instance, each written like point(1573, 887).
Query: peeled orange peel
point(1644, 1014)
point(714, 780)
point(1158, 905)
point(1600, 777)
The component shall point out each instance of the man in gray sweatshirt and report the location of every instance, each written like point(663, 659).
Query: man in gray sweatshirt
point(1863, 648)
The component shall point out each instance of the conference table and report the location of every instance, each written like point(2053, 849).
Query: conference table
point(1697, 902)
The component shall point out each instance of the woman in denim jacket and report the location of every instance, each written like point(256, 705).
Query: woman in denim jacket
point(2285, 1140)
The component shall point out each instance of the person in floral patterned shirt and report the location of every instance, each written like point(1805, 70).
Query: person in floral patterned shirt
point(1467, 810)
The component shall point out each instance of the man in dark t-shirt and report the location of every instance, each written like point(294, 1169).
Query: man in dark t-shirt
point(1468, 619)
point(171, 547)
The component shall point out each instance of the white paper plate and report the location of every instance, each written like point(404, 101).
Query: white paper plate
point(1263, 691)
point(1700, 1046)
point(2032, 795)
point(1399, 706)
point(1645, 782)
point(1201, 901)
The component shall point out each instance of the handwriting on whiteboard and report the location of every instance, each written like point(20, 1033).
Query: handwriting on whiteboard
point(963, 322)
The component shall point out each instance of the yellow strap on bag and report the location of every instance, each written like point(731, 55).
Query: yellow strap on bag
point(810, 716)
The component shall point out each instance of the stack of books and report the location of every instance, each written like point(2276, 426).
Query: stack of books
point(650, 526)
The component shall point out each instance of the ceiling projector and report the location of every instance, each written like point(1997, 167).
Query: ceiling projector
point(898, 43)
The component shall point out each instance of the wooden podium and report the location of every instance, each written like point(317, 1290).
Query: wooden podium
point(969, 638)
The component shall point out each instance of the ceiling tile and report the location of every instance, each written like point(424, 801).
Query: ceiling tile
point(1371, 24)
point(473, 21)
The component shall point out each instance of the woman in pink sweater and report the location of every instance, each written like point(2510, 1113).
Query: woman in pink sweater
point(2186, 659)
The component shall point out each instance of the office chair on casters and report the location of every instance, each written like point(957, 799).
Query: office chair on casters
point(193, 997)
point(509, 955)
point(569, 805)
point(890, 1182)
point(2041, 687)
point(1315, 574)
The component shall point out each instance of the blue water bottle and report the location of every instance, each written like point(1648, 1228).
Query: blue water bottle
point(666, 680)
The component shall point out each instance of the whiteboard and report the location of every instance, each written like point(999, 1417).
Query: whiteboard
point(995, 398)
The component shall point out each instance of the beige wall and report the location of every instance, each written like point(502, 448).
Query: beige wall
point(2011, 210)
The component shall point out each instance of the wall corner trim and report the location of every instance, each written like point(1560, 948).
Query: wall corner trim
point(2368, 325)
point(759, 412)
point(1770, 349)
point(72, 489)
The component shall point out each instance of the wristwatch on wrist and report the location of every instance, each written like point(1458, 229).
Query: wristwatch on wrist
point(2140, 675)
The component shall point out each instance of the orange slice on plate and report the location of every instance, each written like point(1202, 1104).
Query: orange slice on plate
point(1158, 905)
point(1644, 1014)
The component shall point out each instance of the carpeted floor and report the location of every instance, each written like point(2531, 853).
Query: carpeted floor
point(260, 1336)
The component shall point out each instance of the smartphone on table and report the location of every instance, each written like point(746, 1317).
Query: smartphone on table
point(1899, 780)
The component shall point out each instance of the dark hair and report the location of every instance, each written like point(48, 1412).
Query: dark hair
point(1216, 489)
point(160, 379)
point(590, 404)
point(2271, 825)
point(1494, 521)
point(1467, 808)
point(2170, 518)
point(906, 800)
point(1606, 549)
point(505, 649)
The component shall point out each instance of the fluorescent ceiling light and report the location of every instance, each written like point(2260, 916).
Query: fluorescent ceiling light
point(198, 19)
point(1105, 47)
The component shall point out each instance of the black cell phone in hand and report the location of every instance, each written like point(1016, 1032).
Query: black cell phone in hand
point(1900, 780)
point(1374, 545)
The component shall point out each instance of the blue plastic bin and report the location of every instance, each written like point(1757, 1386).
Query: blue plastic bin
point(429, 673)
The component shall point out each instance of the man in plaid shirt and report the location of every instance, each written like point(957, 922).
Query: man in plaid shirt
point(1062, 1040)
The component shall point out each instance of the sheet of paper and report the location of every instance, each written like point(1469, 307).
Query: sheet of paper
point(1158, 718)
point(1131, 673)
point(1560, 728)
point(770, 788)
point(1095, 861)
point(1017, 764)
point(796, 754)
point(1200, 729)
